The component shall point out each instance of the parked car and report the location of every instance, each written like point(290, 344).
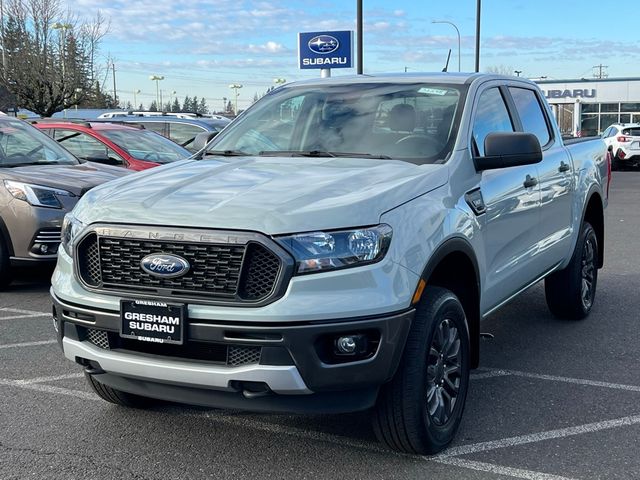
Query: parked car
point(333, 250)
point(39, 182)
point(128, 146)
point(624, 141)
point(183, 131)
point(123, 113)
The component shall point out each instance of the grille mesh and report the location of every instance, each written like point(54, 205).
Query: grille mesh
point(99, 338)
point(231, 272)
point(240, 355)
point(261, 272)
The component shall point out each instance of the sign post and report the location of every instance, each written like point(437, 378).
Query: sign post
point(325, 50)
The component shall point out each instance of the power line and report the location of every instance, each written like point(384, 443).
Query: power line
point(600, 73)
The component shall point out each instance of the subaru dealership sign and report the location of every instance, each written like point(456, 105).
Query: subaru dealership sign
point(325, 49)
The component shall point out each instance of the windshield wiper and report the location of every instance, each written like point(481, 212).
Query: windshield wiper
point(226, 153)
point(319, 153)
point(295, 153)
point(27, 164)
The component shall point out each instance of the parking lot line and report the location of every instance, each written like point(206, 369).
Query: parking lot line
point(28, 344)
point(22, 313)
point(577, 381)
point(49, 389)
point(489, 374)
point(498, 469)
point(54, 378)
point(542, 436)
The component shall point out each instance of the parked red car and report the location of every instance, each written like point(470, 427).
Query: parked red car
point(132, 147)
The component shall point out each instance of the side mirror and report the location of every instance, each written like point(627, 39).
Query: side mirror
point(509, 149)
point(201, 140)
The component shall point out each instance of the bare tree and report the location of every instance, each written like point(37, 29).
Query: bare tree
point(48, 55)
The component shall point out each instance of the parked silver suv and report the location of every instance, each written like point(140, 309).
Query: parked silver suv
point(39, 182)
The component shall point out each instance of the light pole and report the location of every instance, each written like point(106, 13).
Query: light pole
point(173, 95)
point(235, 87)
point(157, 78)
point(135, 92)
point(457, 31)
point(63, 27)
point(478, 9)
point(517, 72)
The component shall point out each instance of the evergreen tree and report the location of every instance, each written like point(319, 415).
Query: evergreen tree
point(203, 109)
point(229, 107)
point(175, 106)
point(186, 105)
point(141, 108)
point(153, 107)
point(193, 108)
point(128, 107)
point(166, 107)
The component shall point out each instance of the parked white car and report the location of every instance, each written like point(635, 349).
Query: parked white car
point(624, 140)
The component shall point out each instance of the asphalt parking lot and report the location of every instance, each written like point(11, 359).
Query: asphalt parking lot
point(553, 400)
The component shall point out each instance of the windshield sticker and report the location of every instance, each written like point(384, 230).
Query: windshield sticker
point(432, 91)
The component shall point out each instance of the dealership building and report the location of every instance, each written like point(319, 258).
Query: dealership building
point(588, 106)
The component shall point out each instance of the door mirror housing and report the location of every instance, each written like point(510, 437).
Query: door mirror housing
point(509, 149)
point(201, 140)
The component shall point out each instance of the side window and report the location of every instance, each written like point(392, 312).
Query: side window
point(531, 114)
point(86, 147)
point(157, 127)
point(491, 116)
point(183, 133)
point(607, 133)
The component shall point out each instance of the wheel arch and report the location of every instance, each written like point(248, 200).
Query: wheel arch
point(454, 266)
point(4, 235)
point(594, 214)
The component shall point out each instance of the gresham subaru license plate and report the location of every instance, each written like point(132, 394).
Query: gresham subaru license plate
point(152, 321)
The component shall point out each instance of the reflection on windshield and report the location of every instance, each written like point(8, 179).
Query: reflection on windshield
point(415, 122)
point(22, 145)
point(145, 145)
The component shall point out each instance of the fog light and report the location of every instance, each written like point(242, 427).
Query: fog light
point(346, 345)
point(355, 344)
point(44, 248)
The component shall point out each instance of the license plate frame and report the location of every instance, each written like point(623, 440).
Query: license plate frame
point(166, 321)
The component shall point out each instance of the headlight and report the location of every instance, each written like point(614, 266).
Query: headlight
point(321, 251)
point(71, 227)
point(36, 195)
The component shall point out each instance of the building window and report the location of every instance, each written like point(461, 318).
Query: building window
point(630, 107)
point(609, 107)
point(590, 107)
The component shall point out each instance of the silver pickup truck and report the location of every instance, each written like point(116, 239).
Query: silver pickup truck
point(333, 250)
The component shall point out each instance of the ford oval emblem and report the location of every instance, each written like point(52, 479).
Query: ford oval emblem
point(164, 265)
point(323, 44)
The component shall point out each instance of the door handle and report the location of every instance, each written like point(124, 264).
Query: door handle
point(564, 167)
point(530, 182)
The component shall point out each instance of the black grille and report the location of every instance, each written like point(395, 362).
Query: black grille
point(217, 271)
point(261, 272)
point(231, 355)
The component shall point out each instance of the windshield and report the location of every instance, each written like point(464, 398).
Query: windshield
point(145, 145)
point(413, 122)
point(21, 144)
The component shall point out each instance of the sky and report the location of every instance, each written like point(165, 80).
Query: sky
point(202, 46)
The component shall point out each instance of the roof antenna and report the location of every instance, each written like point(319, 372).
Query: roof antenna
point(446, 67)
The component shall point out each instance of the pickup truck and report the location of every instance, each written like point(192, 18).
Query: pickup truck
point(334, 250)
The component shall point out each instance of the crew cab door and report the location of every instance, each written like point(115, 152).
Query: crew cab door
point(511, 198)
point(555, 176)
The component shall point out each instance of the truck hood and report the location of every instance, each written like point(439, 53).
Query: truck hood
point(76, 179)
point(266, 194)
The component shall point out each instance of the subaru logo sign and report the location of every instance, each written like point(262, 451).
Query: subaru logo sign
point(325, 50)
point(164, 265)
point(323, 44)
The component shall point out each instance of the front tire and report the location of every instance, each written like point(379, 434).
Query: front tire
point(420, 410)
point(118, 397)
point(570, 292)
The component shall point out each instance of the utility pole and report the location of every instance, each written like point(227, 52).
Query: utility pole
point(359, 36)
point(4, 60)
point(115, 97)
point(478, 8)
point(600, 74)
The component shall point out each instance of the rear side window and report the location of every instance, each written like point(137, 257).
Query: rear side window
point(491, 116)
point(634, 132)
point(183, 133)
point(531, 114)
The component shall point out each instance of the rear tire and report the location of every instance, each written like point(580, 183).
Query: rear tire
point(6, 275)
point(570, 292)
point(118, 397)
point(420, 410)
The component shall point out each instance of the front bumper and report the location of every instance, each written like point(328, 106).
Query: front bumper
point(293, 362)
